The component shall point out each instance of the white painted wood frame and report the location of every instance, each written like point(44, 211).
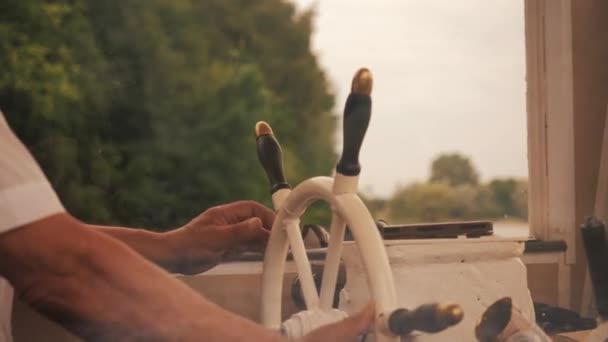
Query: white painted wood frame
point(550, 121)
point(550, 107)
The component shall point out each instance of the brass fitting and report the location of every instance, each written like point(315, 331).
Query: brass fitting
point(362, 82)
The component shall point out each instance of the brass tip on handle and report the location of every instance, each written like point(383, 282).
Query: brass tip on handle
point(429, 318)
point(362, 82)
point(262, 128)
point(453, 313)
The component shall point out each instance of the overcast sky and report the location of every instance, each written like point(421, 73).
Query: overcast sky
point(448, 76)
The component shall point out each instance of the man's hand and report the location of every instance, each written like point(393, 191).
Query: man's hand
point(203, 242)
point(219, 231)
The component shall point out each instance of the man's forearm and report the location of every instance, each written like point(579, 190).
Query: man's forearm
point(102, 290)
point(160, 248)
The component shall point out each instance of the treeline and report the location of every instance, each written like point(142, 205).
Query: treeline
point(453, 192)
point(142, 112)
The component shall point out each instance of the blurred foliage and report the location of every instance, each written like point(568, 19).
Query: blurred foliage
point(453, 193)
point(141, 113)
point(453, 169)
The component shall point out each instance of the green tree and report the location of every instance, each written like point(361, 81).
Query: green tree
point(503, 191)
point(142, 113)
point(520, 199)
point(486, 206)
point(378, 207)
point(464, 204)
point(430, 202)
point(49, 93)
point(453, 169)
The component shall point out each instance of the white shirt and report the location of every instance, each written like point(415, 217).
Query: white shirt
point(25, 197)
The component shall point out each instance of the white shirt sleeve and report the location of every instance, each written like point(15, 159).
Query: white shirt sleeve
point(25, 193)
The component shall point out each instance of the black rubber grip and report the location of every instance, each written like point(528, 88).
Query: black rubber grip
point(357, 113)
point(494, 320)
point(271, 158)
point(594, 237)
point(430, 318)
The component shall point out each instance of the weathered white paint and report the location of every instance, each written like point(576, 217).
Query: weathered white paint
point(550, 102)
point(563, 272)
point(351, 209)
point(303, 322)
point(550, 107)
point(537, 119)
point(471, 272)
point(332, 261)
point(298, 251)
point(279, 197)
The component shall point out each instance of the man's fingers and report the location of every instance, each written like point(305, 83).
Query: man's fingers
point(346, 330)
point(243, 210)
point(249, 232)
point(237, 238)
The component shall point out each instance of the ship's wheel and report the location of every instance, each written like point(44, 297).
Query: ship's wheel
point(340, 192)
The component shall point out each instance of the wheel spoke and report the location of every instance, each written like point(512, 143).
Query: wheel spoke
point(332, 261)
point(298, 251)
